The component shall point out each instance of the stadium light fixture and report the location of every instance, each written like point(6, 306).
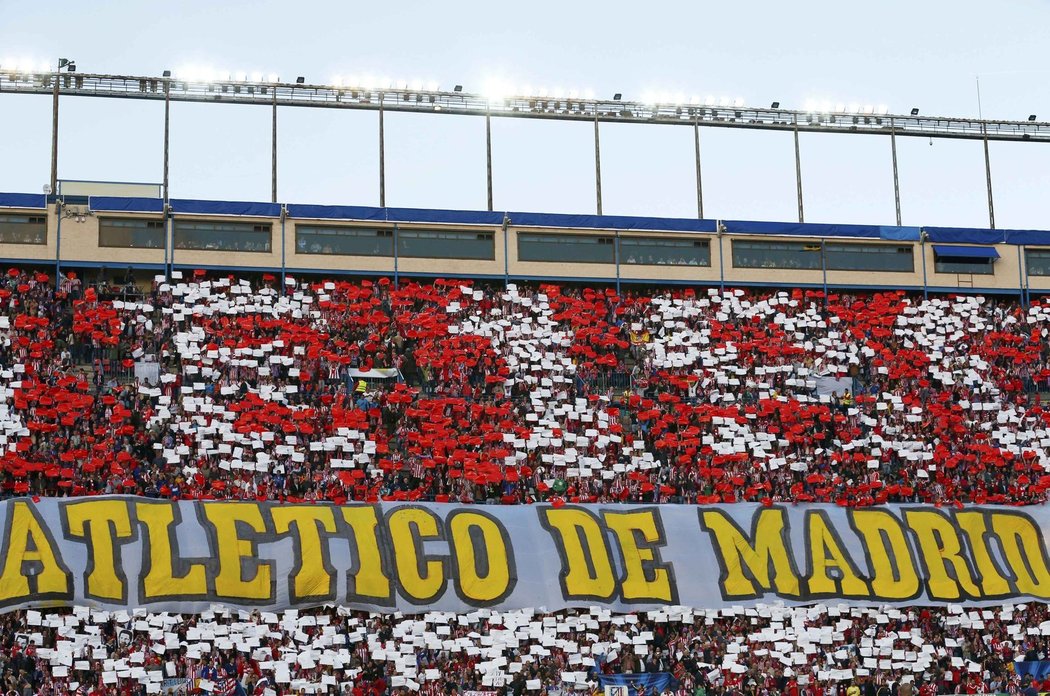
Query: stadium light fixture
point(775, 105)
point(457, 88)
point(166, 73)
point(300, 80)
point(496, 90)
point(1031, 117)
point(915, 111)
point(617, 97)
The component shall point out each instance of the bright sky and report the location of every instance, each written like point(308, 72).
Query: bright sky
point(900, 53)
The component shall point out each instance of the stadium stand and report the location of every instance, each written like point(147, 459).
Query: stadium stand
point(522, 394)
point(211, 387)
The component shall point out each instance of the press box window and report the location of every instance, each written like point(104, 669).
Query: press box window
point(223, 236)
point(660, 251)
point(23, 229)
point(131, 233)
point(343, 241)
point(1037, 262)
point(964, 259)
point(566, 248)
point(791, 255)
point(452, 244)
point(837, 256)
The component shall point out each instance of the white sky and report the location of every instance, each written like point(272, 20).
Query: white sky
point(898, 53)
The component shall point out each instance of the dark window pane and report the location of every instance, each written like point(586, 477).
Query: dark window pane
point(131, 233)
point(660, 251)
point(963, 264)
point(841, 256)
point(566, 248)
point(794, 255)
point(348, 241)
point(838, 256)
point(453, 244)
point(23, 229)
point(222, 236)
point(1037, 261)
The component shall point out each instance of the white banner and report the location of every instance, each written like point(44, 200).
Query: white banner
point(117, 552)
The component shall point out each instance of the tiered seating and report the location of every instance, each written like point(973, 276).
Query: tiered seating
point(818, 651)
point(512, 396)
point(523, 394)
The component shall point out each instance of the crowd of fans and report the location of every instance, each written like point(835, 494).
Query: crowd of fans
point(216, 387)
point(515, 395)
point(764, 651)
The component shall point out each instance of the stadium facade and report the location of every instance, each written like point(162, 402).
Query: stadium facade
point(84, 232)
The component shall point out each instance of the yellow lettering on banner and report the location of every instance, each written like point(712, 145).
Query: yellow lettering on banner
point(481, 580)
point(28, 542)
point(975, 526)
point(768, 549)
point(313, 574)
point(232, 549)
point(369, 581)
point(586, 569)
point(645, 578)
point(940, 546)
point(160, 581)
point(421, 578)
point(825, 553)
point(889, 554)
point(102, 522)
point(1023, 551)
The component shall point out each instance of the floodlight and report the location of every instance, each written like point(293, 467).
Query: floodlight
point(72, 67)
point(457, 88)
point(775, 105)
point(1031, 117)
point(617, 97)
point(300, 80)
point(496, 90)
point(166, 73)
point(915, 111)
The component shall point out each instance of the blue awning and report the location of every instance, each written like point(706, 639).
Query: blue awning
point(970, 252)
